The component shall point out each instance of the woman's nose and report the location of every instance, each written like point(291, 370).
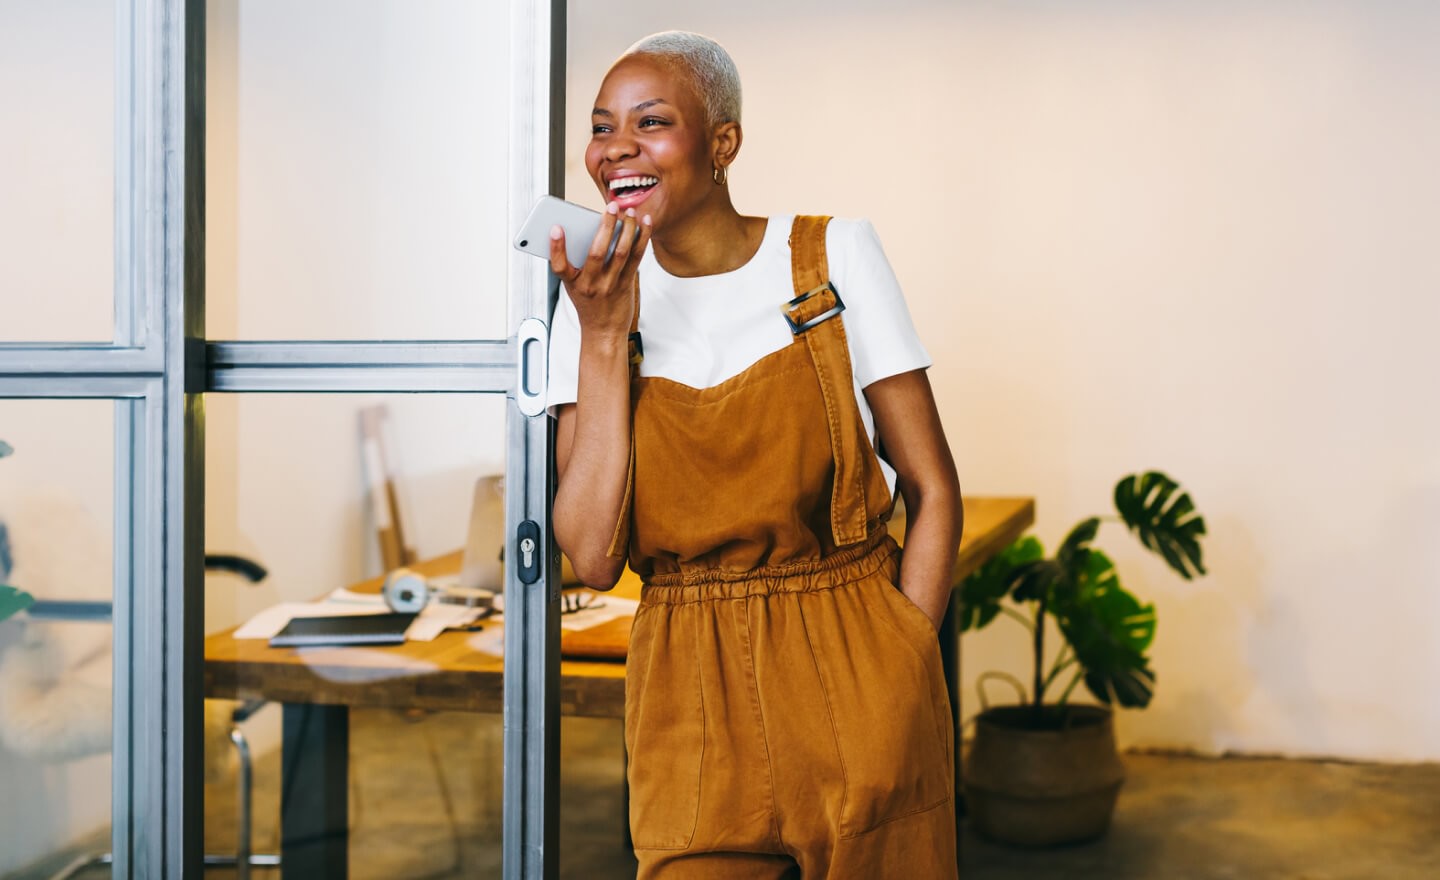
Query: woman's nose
point(619, 147)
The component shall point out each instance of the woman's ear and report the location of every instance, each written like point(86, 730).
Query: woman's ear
point(725, 144)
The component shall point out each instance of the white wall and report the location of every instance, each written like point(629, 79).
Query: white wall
point(1192, 236)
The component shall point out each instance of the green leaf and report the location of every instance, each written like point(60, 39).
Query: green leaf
point(13, 601)
point(1036, 580)
point(1171, 529)
point(1109, 630)
point(1078, 542)
point(982, 591)
point(1073, 555)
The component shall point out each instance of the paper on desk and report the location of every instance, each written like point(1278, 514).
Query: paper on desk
point(273, 619)
point(602, 608)
point(437, 617)
point(491, 640)
point(348, 597)
point(432, 621)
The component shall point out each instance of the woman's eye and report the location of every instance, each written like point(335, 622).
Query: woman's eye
point(599, 129)
point(651, 121)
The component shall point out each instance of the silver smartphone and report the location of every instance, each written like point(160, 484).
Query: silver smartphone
point(580, 225)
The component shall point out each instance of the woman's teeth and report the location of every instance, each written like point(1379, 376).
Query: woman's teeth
point(631, 183)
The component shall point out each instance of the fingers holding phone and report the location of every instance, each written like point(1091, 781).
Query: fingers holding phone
point(614, 244)
point(600, 279)
point(637, 244)
point(629, 246)
point(560, 258)
point(578, 231)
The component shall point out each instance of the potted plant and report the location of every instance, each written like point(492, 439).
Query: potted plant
point(1046, 771)
point(12, 600)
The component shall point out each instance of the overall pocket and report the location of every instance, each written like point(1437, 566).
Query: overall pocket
point(664, 731)
point(887, 695)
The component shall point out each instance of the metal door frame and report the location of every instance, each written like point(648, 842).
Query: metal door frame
point(159, 365)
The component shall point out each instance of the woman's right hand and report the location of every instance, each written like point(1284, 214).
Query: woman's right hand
point(603, 290)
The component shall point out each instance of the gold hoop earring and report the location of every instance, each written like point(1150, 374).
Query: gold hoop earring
point(720, 175)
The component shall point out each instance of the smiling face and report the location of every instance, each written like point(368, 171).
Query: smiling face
point(651, 146)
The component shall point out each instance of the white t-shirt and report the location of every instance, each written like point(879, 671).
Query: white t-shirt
point(702, 331)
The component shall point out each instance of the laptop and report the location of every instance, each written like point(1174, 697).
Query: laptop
point(480, 566)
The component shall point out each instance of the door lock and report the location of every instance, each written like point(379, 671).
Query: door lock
point(527, 542)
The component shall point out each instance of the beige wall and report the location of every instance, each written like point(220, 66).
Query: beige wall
point(1190, 236)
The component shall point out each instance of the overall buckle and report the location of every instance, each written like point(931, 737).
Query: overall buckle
point(789, 308)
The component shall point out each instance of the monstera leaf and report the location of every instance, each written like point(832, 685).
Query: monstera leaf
point(1036, 580)
point(13, 601)
point(981, 592)
point(1048, 578)
point(1109, 631)
point(1166, 524)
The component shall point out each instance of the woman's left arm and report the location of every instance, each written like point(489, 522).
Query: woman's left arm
point(909, 427)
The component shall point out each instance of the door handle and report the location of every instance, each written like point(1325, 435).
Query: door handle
point(533, 339)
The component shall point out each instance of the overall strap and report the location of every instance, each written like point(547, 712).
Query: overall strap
point(636, 346)
point(814, 314)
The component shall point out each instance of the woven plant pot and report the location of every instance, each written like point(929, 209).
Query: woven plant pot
point(1043, 781)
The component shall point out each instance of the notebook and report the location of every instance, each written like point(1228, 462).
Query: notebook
point(349, 629)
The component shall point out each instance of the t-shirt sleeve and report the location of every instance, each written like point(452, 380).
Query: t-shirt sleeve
point(882, 336)
point(564, 380)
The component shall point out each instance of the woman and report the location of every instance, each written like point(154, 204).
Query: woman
point(786, 712)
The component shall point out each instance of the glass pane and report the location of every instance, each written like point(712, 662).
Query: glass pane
point(292, 484)
point(356, 173)
point(56, 546)
point(57, 94)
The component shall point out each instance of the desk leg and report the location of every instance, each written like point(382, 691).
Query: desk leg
point(950, 659)
point(314, 807)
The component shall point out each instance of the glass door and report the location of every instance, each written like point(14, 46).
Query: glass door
point(382, 364)
point(99, 676)
point(324, 355)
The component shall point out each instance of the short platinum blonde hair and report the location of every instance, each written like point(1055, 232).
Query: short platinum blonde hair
point(707, 61)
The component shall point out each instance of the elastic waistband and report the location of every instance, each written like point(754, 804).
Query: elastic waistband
point(839, 568)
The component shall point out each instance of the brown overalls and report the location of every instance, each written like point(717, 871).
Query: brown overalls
point(785, 708)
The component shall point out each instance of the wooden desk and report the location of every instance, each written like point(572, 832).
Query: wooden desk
point(443, 675)
point(319, 685)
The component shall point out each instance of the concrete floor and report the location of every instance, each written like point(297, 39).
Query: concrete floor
point(1179, 817)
